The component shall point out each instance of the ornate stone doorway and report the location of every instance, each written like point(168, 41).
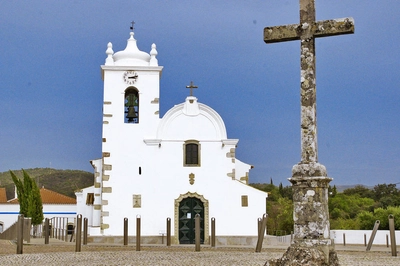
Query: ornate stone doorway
point(186, 207)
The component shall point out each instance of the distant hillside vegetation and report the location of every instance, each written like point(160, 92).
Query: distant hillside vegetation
point(61, 181)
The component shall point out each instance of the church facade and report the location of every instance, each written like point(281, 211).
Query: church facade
point(173, 167)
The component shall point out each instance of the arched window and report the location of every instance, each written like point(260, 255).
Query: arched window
point(131, 105)
point(191, 153)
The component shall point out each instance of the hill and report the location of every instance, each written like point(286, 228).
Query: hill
point(61, 181)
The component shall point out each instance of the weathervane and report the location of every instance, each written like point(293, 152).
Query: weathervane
point(133, 24)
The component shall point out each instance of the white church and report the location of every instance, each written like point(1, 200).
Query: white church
point(155, 168)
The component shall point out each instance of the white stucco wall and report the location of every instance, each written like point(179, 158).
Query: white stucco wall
point(147, 158)
point(9, 212)
point(163, 177)
point(357, 236)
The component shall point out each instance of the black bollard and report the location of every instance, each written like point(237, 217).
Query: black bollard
point(168, 232)
point(85, 230)
point(46, 231)
point(20, 234)
point(213, 232)
point(392, 235)
point(78, 233)
point(387, 240)
point(138, 233)
point(261, 232)
point(344, 239)
point(371, 239)
point(197, 231)
point(125, 231)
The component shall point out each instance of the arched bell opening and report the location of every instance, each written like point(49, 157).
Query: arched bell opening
point(132, 105)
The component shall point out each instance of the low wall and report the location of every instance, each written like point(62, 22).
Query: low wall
point(219, 240)
point(357, 236)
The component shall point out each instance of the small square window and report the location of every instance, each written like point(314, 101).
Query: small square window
point(245, 201)
point(89, 198)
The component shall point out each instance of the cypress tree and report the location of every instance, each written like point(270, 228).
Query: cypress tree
point(30, 201)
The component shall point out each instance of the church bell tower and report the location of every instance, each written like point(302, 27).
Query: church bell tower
point(130, 112)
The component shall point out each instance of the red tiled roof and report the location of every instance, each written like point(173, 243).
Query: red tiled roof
point(3, 195)
point(51, 197)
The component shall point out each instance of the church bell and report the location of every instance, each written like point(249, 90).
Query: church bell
point(131, 115)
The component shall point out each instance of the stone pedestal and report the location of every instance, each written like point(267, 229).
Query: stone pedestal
point(311, 244)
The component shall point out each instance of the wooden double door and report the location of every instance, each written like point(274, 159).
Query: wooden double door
point(188, 208)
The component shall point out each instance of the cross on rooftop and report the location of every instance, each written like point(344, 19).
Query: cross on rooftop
point(191, 87)
point(133, 25)
point(306, 32)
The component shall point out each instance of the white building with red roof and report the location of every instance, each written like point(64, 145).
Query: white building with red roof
point(54, 205)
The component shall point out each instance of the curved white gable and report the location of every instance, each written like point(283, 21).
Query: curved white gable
point(192, 120)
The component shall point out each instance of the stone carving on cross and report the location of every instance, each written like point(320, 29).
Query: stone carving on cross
point(191, 87)
point(306, 32)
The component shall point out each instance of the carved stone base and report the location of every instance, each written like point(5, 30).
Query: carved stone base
point(308, 170)
point(302, 256)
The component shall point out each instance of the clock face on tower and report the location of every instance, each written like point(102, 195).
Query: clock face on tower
point(130, 77)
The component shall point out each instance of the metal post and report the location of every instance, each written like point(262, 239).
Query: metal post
point(78, 233)
point(344, 239)
point(213, 232)
point(197, 231)
point(365, 240)
point(168, 232)
point(138, 233)
point(392, 235)
point(46, 231)
point(259, 223)
point(261, 232)
point(20, 234)
point(387, 240)
point(371, 239)
point(85, 230)
point(63, 229)
point(125, 231)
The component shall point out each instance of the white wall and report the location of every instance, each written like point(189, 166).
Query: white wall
point(9, 212)
point(357, 236)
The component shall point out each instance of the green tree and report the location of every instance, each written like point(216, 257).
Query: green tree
point(29, 198)
point(386, 190)
point(334, 191)
point(367, 219)
point(362, 191)
point(348, 206)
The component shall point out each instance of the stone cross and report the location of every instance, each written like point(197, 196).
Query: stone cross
point(306, 32)
point(191, 87)
point(309, 178)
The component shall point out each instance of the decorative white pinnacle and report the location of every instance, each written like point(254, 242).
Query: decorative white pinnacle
point(153, 54)
point(109, 52)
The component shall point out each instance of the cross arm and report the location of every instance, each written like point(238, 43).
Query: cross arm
point(281, 33)
point(319, 29)
point(334, 27)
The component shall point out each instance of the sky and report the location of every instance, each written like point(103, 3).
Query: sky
point(51, 87)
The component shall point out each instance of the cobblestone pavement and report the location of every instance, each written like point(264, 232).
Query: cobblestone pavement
point(64, 254)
